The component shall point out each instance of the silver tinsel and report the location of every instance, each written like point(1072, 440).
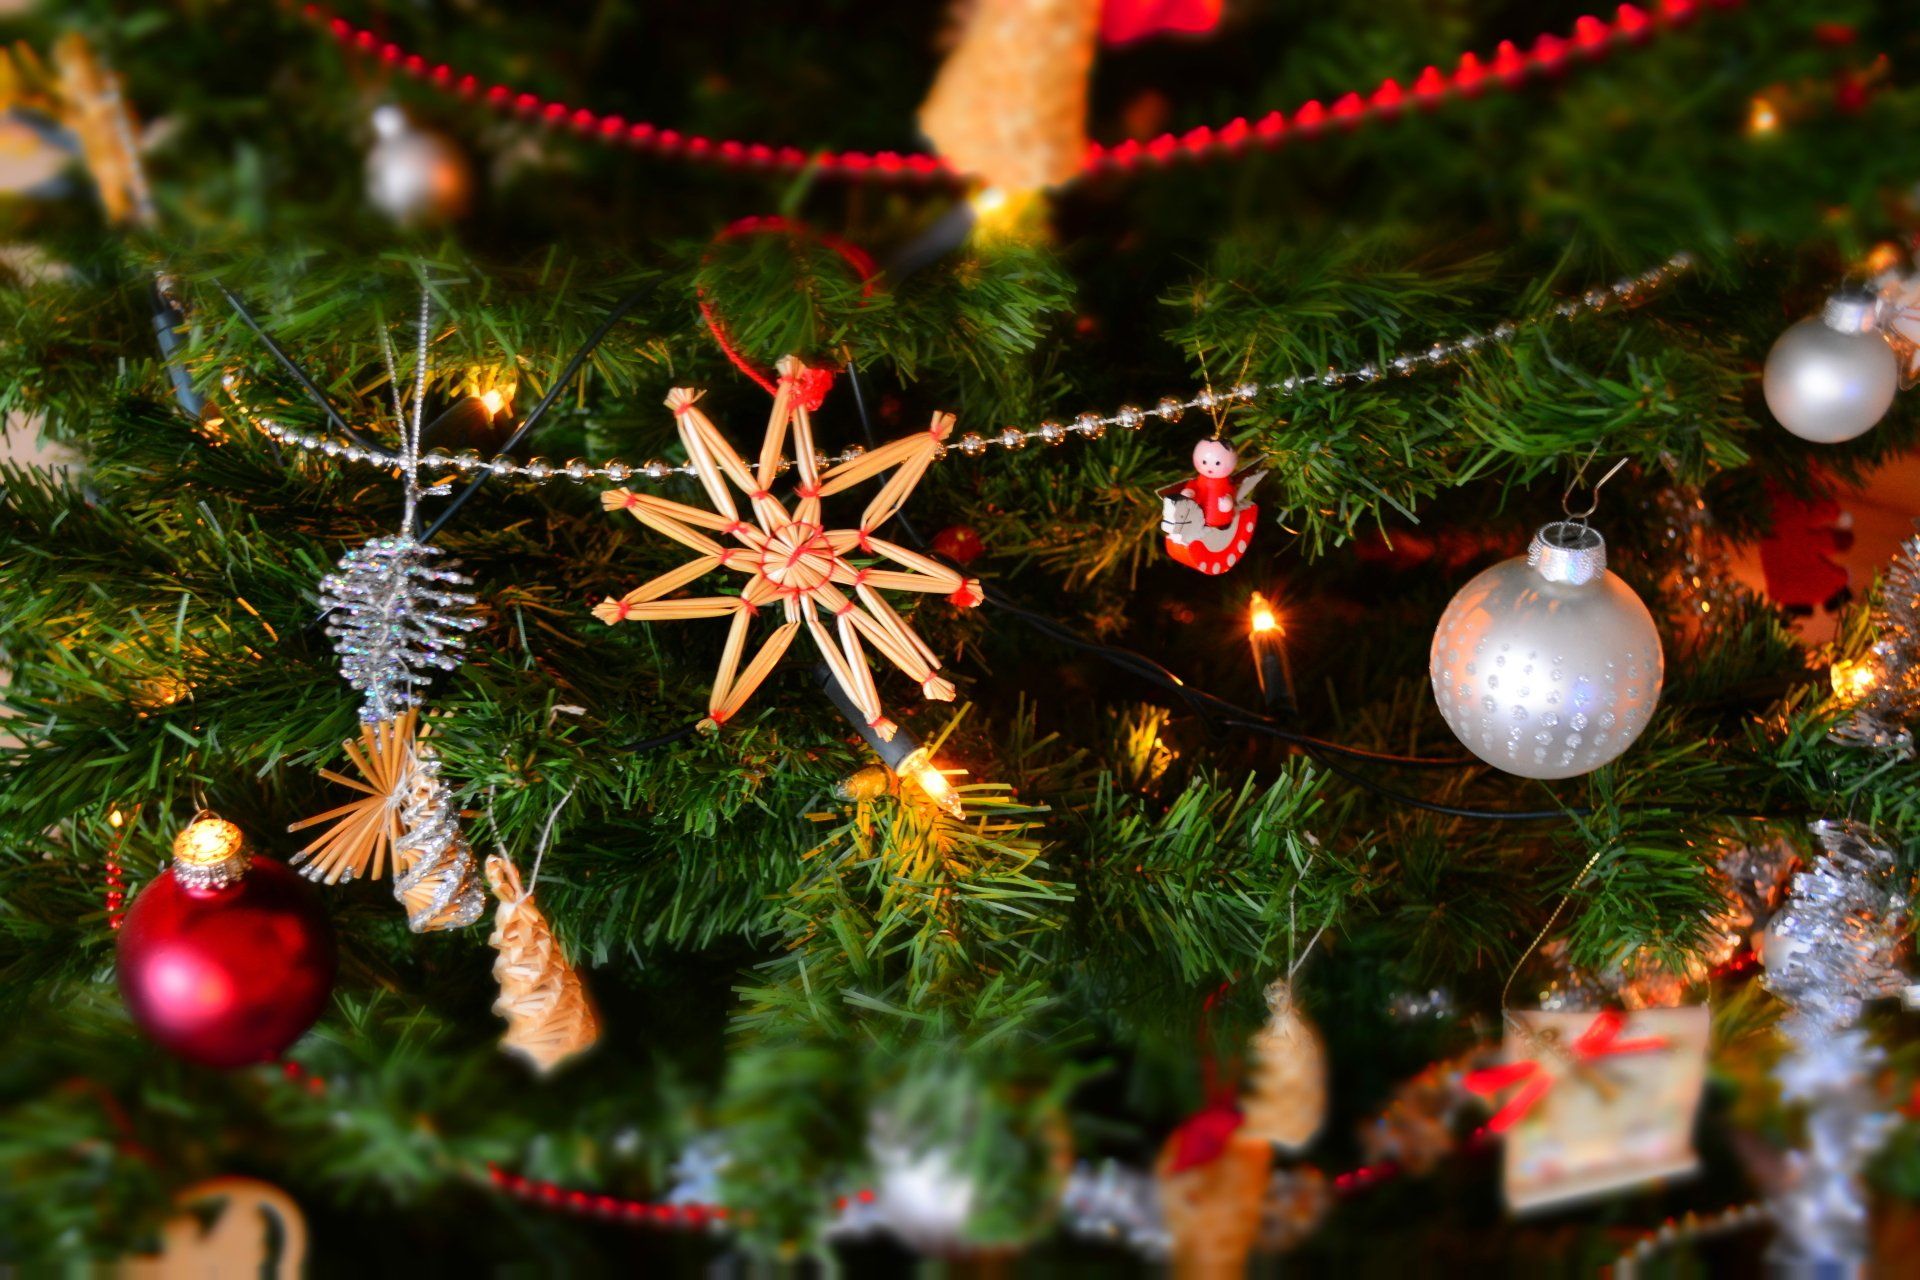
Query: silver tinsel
point(436, 878)
point(1829, 951)
point(1885, 707)
point(395, 619)
point(1115, 1204)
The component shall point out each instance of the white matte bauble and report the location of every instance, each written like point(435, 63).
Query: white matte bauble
point(1547, 665)
point(1831, 377)
point(415, 176)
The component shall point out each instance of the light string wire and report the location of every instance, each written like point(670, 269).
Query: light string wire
point(1508, 68)
point(1091, 425)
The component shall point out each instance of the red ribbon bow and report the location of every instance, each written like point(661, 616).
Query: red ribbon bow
point(1601, 1039)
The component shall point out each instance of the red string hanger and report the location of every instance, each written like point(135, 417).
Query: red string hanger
point(1505, 69)
point(813, 383)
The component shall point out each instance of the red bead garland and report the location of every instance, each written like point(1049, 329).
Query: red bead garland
point(1591, 38)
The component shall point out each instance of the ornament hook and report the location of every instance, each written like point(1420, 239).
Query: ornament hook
point(1593, 504)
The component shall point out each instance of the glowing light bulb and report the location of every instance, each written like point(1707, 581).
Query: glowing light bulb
point(920, 767)
point(494, 401)
point(1268, 637)
point(1853, 680)
point(115, 819)
point(1762, 119)
point(1263, 619)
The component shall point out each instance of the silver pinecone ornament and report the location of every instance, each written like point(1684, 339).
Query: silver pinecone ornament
point(395, 619)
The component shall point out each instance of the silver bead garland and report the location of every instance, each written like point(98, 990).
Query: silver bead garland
point(1086, 426)
point(395, 618)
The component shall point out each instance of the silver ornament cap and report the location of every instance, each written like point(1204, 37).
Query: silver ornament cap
point(1548, 665)
point(1831, 377)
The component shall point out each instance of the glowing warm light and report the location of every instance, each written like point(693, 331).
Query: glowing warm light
point(116, 819)
point(207, 841)
point(920, 767)
point(494, 401)
point(1762, 119)
point(1853, 679)
point(1882, 257)
point(1263, 618)
point(989, 201)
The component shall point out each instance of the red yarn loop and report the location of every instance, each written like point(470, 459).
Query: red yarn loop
point(810, 384)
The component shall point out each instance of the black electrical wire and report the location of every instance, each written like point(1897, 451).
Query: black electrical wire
point(539, 411)
point(640, 745)
point(293, 369)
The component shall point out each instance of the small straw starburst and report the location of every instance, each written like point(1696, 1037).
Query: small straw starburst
point(791, 558)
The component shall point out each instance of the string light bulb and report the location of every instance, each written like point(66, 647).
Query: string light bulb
point(1267, 635)
point(1853, 680)
point(901, 753)
point(919, 766)
point(1762, 118)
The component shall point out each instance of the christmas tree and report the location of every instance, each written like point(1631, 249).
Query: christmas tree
point(1085, 632)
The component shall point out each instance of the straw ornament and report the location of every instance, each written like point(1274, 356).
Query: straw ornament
point(404, 815)
point(549, 1018)
point(790, 558)
point(1288, 1098)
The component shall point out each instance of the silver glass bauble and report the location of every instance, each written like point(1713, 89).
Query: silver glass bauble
point(1547, 665)
point(1831, 377)
point(415, 176)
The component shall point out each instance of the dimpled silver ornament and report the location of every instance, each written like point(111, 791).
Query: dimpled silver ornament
point(1831, 377)
point(1547, 665)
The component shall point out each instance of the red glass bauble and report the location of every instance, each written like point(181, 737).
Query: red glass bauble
point(227, 976)
point(959, 543)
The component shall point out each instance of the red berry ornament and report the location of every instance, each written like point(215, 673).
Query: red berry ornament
point(959, 543)
point(224, 961)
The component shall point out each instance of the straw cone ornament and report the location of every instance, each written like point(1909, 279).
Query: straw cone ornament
point(1010, 103)
point(791, 559)
point(549, 1017)
point(1288, 1099)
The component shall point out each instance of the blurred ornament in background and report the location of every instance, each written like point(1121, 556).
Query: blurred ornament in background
point(1434, 1003)
point(1900, 320)
point(415, 176)
point(226, 1227)
point(1598, 1101)
point(1009, 105)
point(1831, 377)
point(1122, 21)
point(1881, 688)
point(920, 1193)
point(1297, 1201)
point(1213, 1186)
point(1287, 1100)
point(222, 959)
point(1548, 665)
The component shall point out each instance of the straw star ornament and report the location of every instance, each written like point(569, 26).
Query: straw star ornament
point(828, 581)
